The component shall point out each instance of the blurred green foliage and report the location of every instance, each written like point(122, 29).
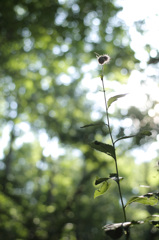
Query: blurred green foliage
point(47, 170)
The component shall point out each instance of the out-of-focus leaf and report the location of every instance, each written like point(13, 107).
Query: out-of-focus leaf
point(141, 134)
point(154, 219)
point(115, 98)
point(124, 137)
point(155, 224)
point(103, 188)
point(147, 199)
point(145, 133)
point(93, 125)
point(105, 148)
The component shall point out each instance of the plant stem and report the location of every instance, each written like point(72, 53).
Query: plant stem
point(110, 133)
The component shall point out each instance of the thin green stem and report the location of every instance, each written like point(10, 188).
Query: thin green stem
point(106, 108)
point(110, 133)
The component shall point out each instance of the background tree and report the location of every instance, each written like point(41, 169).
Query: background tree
point(47, 169)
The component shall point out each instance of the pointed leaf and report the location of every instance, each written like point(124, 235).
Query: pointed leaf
point(113, 99)
point(103, 188)
point(112, 176)
point(141, 134)
point(124, 137)
point(105, 148)
point(100, 180)
point(93, 124)
point(147, 199)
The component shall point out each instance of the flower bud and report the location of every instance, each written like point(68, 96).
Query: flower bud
point(103, 59)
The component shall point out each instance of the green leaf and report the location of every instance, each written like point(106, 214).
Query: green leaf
point(141, 134)
point(155, 223)
point(124, 137)
point(103, 188)
point(105, 148)
point(147, 199)
point(113, 99)
point(100, 180)
point(93, 124)
point(112, 176)
point(145, 133)
point(153, 219)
